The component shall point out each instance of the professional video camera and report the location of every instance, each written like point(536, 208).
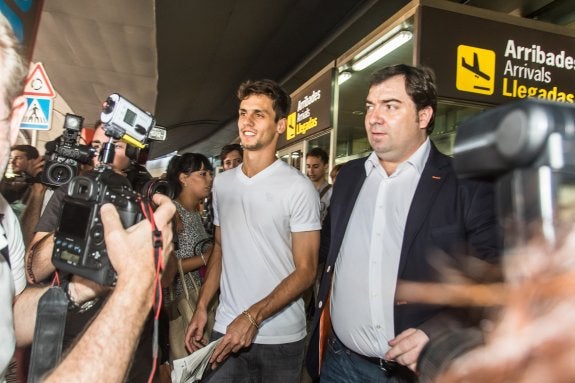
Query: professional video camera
point(528, 149)
point(65, 154)
point(79, 246)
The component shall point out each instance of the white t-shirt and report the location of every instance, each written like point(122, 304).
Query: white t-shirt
point(257, 216)
point(12, 281)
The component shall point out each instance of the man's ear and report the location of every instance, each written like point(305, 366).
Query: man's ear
point(281, 126)
point(16, 115)
point(425, 115)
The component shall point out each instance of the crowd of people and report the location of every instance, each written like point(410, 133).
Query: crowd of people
point(305, 272)
point(119, 323)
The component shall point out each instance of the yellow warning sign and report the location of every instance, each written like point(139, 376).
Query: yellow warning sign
point(475, 70)
point(291, 126)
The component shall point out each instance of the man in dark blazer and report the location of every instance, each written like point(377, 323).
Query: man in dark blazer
point(393, 215)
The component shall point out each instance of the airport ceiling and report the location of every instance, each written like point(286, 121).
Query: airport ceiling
point(182, 60)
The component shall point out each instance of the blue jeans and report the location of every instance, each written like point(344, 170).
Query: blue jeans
point(342, 366)
point(260, 363)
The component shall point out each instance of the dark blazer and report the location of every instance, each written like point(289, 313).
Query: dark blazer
point(447, 217)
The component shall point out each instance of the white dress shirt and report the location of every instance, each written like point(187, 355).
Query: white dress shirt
point(365, 274)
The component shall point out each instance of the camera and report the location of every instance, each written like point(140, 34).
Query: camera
point(528, 149)
point(79, 246)
point(65, 154)
point(124, 120)
point(157, 185)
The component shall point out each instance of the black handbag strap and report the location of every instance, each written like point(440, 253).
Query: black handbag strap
point(324, 190)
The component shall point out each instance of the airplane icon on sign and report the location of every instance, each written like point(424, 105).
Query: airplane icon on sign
point(470, 75)
point(475, 67)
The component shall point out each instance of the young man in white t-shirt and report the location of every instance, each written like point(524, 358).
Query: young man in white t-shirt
point(265, 255)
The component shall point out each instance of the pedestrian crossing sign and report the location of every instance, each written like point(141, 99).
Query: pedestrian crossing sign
point(38, 113)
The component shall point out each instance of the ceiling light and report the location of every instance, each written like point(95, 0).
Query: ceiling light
point(384, 49)
point(343, 77)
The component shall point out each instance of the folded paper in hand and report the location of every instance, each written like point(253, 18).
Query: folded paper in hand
point(191, 368)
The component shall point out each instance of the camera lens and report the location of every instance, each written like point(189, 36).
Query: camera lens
point(108, 106)
point(60, 174)
point(157, 186)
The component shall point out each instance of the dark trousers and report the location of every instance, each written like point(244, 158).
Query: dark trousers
point(342, 365)
point(260, 363)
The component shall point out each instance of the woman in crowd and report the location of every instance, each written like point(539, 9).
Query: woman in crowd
point(190, 176)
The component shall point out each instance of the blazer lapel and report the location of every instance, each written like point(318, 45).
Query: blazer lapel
point(345, 198)
point(429, 185)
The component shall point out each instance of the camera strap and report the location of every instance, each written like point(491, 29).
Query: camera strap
point(48, 333)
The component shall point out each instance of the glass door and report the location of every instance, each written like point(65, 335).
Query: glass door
point(292, 155)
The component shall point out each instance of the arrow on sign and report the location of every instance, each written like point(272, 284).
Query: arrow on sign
point(38, 84)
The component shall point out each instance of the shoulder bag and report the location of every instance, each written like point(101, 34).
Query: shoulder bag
point(180, 312)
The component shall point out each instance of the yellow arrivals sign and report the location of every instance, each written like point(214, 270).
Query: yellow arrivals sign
point(475, 70)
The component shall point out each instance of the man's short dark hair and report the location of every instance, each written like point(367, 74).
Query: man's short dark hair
point(419, 85)
point(30, 151)
point(281, 101)
point(318, 153)
point(227, 149)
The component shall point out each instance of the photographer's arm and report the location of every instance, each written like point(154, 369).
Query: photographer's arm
point(119, 324)
point(39, 252)
point(39, 257)
point(24, 308)
point(31, 214)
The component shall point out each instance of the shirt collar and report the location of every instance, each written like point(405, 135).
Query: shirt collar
point(417, 159)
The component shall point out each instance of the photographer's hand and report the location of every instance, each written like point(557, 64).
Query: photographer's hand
point(35, 166)
point(131, 250)
point(81, 290)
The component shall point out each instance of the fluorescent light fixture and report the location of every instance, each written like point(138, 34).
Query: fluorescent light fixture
point(384, 49)
point(343, 77)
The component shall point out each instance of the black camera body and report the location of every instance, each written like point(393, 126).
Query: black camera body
point(79, 246)
point(63, 163)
